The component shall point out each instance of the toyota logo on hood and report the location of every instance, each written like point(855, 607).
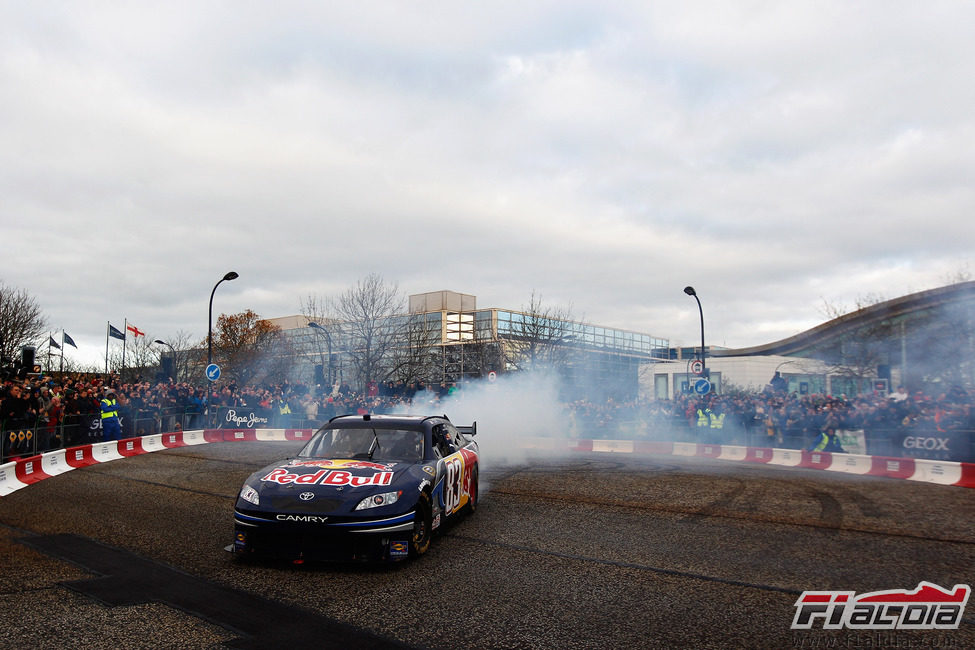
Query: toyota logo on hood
point(306, 496)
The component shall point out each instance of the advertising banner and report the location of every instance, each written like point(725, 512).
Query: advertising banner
point(243, 417)
point(938, 445)
point(853, 441)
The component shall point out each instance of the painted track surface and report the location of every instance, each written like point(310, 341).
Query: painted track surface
point(589, 551)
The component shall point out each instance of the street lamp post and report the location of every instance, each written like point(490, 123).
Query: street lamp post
point(172, 349)
point(690, 291)
point(232, 275)
point(328, 340)
point(784, 363)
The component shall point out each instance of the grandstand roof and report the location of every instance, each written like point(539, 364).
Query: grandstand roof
point(806, 343)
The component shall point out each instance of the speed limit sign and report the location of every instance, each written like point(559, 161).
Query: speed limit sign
point(697, 366)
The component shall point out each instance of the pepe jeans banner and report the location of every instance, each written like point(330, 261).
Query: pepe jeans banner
point(243, 418)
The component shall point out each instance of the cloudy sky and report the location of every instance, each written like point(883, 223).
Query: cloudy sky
point(778, 156)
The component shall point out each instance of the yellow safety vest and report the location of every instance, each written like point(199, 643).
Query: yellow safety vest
point(717, 421)
point(113, 413)
point(702, 418)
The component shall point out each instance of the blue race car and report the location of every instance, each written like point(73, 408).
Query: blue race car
point(363, 488)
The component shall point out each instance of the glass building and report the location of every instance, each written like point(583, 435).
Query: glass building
point(446, 338)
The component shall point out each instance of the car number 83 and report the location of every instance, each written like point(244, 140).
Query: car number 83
point(454, 483)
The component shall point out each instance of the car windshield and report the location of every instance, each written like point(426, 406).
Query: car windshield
point(366, 444)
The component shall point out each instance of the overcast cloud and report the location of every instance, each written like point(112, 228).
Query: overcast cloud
point(774, 155)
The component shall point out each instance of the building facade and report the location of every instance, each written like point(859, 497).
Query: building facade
point(446, 338)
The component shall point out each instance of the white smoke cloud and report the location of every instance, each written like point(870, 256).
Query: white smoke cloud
point(518, 417)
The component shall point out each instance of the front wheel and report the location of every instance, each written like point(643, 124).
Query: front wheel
point(422, 525)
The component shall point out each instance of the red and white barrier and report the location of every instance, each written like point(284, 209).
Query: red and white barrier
point(942, 472)
point(25, 471)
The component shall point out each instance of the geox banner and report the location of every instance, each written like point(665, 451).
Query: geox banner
point(938, 445)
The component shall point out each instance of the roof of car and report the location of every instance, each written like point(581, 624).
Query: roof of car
point(384, 421)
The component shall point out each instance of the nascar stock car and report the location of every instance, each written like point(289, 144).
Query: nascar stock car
point(365, 487)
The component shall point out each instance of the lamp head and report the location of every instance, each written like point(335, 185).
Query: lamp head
point(232, 275)
point(160, 342)
point(314, 325)
point(690, 291)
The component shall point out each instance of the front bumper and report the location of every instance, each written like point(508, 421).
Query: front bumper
point(293, 536)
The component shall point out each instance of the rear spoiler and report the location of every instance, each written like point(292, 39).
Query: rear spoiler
point(469, 431)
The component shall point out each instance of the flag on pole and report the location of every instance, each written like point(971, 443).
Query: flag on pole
point(53, 343)
point(68, 340)
point(115, 333)
point(135, 330)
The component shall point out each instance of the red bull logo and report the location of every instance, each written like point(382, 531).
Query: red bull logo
point(334, 477)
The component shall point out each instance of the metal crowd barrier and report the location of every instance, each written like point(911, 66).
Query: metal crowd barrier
point(38, 436)
point(923, 441)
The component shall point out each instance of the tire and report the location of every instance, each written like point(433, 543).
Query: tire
point(472, 500)
point(422, 526)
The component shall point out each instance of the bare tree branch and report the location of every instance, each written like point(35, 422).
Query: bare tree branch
point(21, 321)
point(372, 323)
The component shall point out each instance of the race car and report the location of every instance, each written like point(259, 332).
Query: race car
point(365, 487)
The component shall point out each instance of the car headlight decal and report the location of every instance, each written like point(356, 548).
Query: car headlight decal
point(250, 495)
point(376, 500)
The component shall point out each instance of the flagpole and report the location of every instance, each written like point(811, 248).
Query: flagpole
point(49, 339)
point(107, 330)
point(62, 351)
point(124, 343)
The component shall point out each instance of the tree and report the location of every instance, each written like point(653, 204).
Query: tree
point(483, 351)
point(140, 358)
point(372, 325)
point(21, 322)
point(179, 349)
point(416, 357)
point(249, 349)
point(539, 336)
point(316, 310)
point(855, 356)
point(933, 348)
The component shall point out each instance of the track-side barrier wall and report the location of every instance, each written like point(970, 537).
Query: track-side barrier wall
point(942, 472)
point(22, 472)
point(25, 471)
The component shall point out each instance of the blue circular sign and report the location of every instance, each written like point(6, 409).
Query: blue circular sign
point(213, 372)
point(702, 387)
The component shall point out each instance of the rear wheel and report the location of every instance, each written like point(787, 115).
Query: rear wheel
point(422, 525)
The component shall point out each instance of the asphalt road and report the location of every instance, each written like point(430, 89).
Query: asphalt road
point(590, 551)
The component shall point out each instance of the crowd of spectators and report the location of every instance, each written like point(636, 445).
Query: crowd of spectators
point(40, 413)
point(779, 419)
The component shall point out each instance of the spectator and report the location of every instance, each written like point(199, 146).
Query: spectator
point(111, 427)
point(827, 441)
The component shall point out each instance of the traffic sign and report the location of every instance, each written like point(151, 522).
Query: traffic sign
point(702, 386)
point(213, 372)
point(697, 366)
point(492, 376)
